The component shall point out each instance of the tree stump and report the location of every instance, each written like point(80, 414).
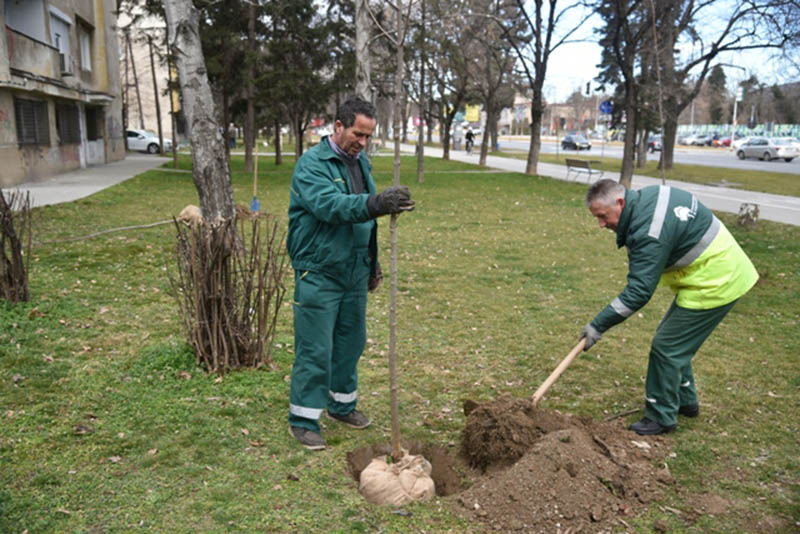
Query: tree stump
point(748, 215)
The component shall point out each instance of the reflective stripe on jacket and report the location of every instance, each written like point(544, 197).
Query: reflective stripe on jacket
point(668, 232)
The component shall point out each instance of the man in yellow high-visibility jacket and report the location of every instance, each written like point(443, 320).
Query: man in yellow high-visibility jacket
point(673, 239)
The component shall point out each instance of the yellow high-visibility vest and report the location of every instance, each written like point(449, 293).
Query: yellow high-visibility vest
point(720, 275)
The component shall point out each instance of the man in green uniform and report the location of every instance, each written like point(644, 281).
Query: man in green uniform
point(672, 238)
point(332, 243)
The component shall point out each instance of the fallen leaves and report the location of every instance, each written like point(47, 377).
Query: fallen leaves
point(82, 430)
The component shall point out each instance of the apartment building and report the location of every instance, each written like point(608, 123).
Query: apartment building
point(60, 105)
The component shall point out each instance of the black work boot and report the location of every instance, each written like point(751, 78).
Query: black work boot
point(647, 427)
point(690, 410)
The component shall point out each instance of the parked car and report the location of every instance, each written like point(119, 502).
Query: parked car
point(765, 148)
point(685, 139)
point(575, 142)
point(654, 143)
point(728, 139)
point(146, 141)
point(701, 140)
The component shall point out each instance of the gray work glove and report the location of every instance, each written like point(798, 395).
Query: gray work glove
point(592, 336)
point(394, 199)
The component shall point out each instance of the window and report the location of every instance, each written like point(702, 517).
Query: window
point(85, 40)
point(59, 37)
point(33, 127)
point(68, 124)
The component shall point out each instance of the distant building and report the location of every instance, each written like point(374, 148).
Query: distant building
point(60, 106)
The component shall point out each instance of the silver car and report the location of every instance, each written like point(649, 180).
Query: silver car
point(765, 148)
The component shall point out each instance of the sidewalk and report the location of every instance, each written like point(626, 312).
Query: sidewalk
point(778, 208)
point(84, 182)
point(81, 183)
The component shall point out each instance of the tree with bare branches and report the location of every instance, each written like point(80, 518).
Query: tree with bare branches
point(547, 26)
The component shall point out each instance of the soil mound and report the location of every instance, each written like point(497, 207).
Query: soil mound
point(550, 472)
point(498, 433)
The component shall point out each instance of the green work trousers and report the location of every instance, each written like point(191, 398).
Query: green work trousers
point(330, 333)
point(670, 381)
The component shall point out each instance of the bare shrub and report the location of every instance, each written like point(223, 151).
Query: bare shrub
point(15, 246)
point(229, 288)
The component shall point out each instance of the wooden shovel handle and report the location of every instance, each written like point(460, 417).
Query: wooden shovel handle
point(560, 369)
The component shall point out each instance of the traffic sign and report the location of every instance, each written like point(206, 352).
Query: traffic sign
point(606, 107)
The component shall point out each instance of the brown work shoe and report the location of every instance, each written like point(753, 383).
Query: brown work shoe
point(307, 438)
point(354, 419)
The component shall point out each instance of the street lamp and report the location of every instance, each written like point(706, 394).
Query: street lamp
point(738, 95)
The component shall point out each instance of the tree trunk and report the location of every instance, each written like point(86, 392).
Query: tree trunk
point(641, 150)
point(250, 120)
point(491, 118)
point(668, 136)
point(445, 135)
point(226, 132)
point(363, 64)
point(209, 165)
point(135, 80)
point(172, 110)
point(536, 134)
point(421, 112)
point(298, 135)
point(155, 95)
point(626, 174)
point(278, 158)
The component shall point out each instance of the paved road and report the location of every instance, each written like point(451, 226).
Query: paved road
point(777, 208)
point(709, 157)
point(84, 182)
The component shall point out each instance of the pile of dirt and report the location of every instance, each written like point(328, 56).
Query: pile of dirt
point(549, 472)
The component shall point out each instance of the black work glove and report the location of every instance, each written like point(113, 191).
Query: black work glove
point(394, 199)
point(375, 281)
point(592, 336)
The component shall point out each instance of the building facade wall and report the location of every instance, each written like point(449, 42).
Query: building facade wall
point(58, 58)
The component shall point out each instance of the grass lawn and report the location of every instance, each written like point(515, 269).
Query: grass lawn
point(779, 183)
point(107, 426)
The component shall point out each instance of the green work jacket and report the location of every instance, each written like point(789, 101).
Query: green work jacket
point(675, 240)
point(327, 223)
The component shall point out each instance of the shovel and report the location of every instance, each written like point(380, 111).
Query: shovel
point(555, 374)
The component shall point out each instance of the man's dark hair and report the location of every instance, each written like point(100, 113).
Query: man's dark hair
point(351, 108)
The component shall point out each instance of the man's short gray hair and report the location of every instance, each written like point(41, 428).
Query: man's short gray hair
point(605, 191)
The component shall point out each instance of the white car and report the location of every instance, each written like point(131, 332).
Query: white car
point(736, 144)
point(146, 141)
point(793, 140)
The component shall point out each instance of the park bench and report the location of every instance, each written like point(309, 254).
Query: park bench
point(579, 166)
